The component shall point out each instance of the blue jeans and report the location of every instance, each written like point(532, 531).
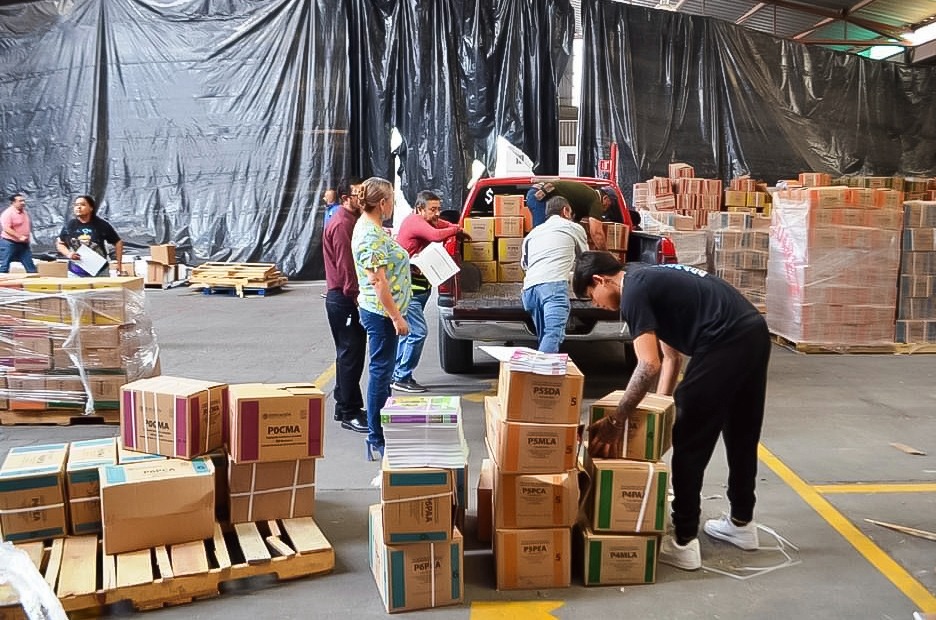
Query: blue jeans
point(15, 251)
point(549, 305)
point(382, 346)
point(409, 351)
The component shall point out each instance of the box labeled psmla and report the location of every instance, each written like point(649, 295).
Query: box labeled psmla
point(545, 399)
point(83, 482)
point(617, 559)
point(416, 575)
point(416, 504)
point(648, 432)
point(32, 493)
point(173, 416)
point(155, 503)
point(528, 448)
point(626, 497)
point(275, 422)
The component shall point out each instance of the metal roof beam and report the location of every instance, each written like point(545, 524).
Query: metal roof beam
point(845, 14)
point(854, 42)
point(757, 7)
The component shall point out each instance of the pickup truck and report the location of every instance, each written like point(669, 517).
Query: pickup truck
point(472, 312)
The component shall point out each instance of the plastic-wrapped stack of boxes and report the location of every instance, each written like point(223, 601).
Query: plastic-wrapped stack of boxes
point(916, 301)
point(697, 198)
point(739, 254)
point(52, 329)
point(625, 505)
point(532, 440)
point(495, 241)
point(833, 264)
point(416, 553)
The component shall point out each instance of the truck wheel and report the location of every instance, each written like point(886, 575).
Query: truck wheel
point(456, 356)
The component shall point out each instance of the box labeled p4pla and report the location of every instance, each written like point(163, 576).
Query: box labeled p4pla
point(32, 493)
point(173, 416)
point(648, 432)
point(626, 497)
point(543, 399)
point(275, 422)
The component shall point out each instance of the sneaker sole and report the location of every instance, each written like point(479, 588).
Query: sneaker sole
point(679, 565)
point(719, 536)
point(408, 390)
point(354, 429)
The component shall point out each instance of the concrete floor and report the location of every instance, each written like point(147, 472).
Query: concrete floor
point(830, 421)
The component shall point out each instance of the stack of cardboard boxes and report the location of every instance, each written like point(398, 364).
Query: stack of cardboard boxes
point(70, 343)
point(833, 264)
point(416, 551)
point(532, 441)
point(171, 452)
point(916, 301)
point(697, 198)
point(495, 241)
point(747, 195)
point(161, 266)
point(625, 504)
point(739, 254)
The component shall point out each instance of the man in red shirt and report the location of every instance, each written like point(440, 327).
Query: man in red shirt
point(342, 311)
point(418, 230)
point(14, 239)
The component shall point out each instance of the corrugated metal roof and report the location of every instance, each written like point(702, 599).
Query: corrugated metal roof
point(814, 20)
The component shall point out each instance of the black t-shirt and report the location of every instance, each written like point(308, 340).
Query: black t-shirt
point(689, 309)
point(94, 234)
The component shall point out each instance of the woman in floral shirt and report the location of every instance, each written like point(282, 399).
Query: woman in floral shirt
point(383, 273)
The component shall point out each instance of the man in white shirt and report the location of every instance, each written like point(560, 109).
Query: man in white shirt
point(548, 255)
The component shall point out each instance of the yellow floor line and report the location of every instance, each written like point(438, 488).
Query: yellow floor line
point(327, 375)
point(886, 565)
point(889, 487)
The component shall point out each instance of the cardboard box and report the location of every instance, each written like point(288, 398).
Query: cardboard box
point(524, 447)
point(478, 251)
point(648, 433)
point(509, 272)
point(533, 558)
point(125, 456)
point(487, 269)
point(155, 503)
point(32, 493)
point(275, 422)
point(508, 227)
point(11, 606)
point(509, 249)
point(528, 397)
point(83, 483)
point(480, 228)
point(485, 497)
point(164, 254)
point(158, 273)
point(416, 504)
point(615, 559)
point(626, 497)
point(435, 263)
point(266, 491)
point(535, 500)
point(508, 205)
point(418, 575)
point(52, 268)
point(173, 416)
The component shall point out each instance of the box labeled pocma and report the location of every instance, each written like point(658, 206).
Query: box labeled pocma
point(626, 496)
point(267, 491)
point(83, 483)
point(416, 504)
point(615, 559)
point(173, 416)
point(533, 558)
point(529, 397)
point(155, 503)
point(417, 575)
point(275, 422)
point(32, 493)
point(524, 447)
point(648, 433)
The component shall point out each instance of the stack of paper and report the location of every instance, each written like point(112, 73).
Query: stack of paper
point(424, 431)
point(538, 363)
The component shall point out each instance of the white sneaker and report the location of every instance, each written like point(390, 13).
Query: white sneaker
point(743, 536)
point(686, 557)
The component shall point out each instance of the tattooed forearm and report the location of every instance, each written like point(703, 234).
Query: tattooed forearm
point(640, 383)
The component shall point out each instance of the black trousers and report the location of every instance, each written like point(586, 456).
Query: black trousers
point(351, 349)
point(722, 392)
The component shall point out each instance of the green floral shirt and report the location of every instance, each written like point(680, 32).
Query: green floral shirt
point(373, 248)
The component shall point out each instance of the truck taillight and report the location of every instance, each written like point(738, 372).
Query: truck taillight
point(666, 252)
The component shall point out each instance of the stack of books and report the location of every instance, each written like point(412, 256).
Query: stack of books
point(424, 431)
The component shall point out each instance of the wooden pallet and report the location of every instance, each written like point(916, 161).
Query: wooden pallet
point(239, 291)
point(917, 347)
point(85, 579)
point(256, 275)
point(890, 348)
point(58, 417)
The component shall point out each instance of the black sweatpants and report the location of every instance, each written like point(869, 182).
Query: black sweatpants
point(722, 392)
point(351, 350)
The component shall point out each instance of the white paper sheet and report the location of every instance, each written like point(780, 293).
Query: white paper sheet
point(90, 261)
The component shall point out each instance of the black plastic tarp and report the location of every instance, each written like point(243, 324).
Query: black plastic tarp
point(218, 124)
point(451, 76)
point(674, 87)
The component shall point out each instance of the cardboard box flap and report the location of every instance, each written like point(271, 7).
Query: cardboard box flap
point(34, 460)
point(131, 473)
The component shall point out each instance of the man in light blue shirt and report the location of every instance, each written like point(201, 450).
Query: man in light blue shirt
point(547, 256)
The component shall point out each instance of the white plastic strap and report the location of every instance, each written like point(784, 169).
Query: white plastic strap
point(292, 499)
point(253, 485)
point(311, 485)
point(416, 498)
point(146, 446)
point(14, 511)
point(208, 423)
point(624, 440)
point(432, 583)
point(133, 412)
point(75, 500)
point(646, 497)
point(755, 571)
